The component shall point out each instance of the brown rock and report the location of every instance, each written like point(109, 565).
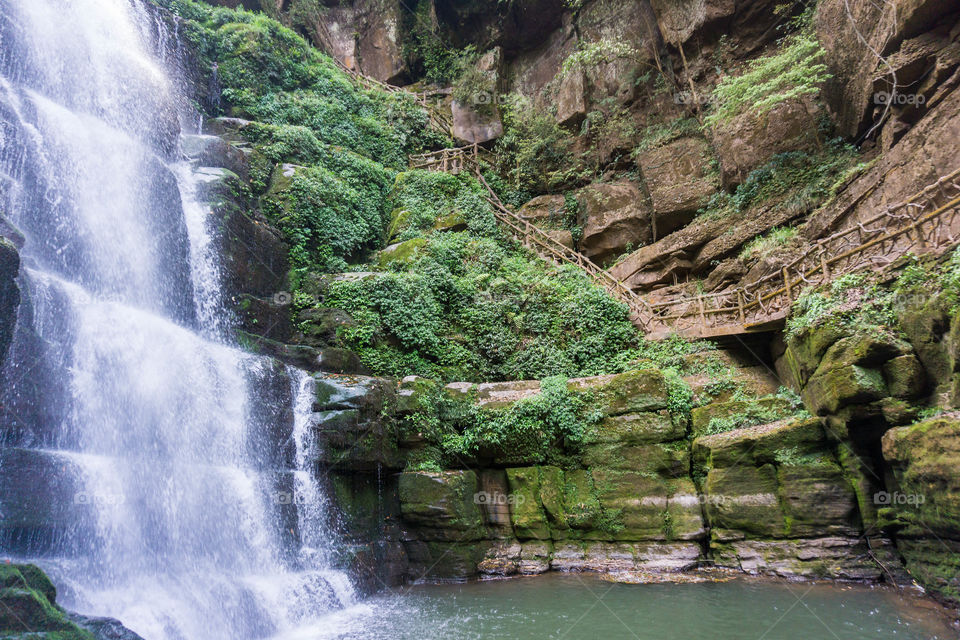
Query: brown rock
point(613, 215)
point(679, 181)
point(850, 30)
point(543, 209)
point(747, 141)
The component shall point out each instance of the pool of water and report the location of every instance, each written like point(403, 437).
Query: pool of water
point(558, 606)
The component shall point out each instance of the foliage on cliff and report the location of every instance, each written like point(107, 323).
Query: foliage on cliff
point(470, 304)
point(346, 140)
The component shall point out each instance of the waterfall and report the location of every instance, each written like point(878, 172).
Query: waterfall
point(156, 471)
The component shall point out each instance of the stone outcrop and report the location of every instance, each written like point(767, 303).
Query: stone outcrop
point(854, 33)
point(679, 180)
point(614, 216)
point(924, 501)
point(28, 609)
point(749, 140)
point(9, 293)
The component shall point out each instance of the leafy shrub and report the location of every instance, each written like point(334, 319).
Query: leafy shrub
point(534, 151)
point(765, 245)
point(793, 72)
point(540, 428)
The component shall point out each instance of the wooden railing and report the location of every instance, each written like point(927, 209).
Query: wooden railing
point(472, 158)
point(928, 222)
point(437, 120)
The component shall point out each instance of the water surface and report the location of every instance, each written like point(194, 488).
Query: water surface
point(584, 606)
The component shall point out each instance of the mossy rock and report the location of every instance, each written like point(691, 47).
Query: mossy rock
point(439, 560)
point(650, 459)
point(401, 253)
point(772, 406)
point(631, 392)
point(745, 498)
point(451, 222)
point(805, 349)
point(526, 512)
point(829, 392)
point(443, 504)
point(870, 347)
point(638, 428)
point(647, 508)
point(905, 376)
point(398, 223)
point(818, 501)
point(935, 564)
point(925, 458)
point(28, 606)
point(762, 444)
point(580, 503)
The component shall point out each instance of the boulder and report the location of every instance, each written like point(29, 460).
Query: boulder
point(9, 293)
point(623, 393)
point(827, 393)
point(543, 211)
point(679, 180)
point(442, 505)
point(748, 140)
point(613, 216)
point(759, 445)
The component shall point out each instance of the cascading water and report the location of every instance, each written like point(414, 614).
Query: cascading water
point(157, 472)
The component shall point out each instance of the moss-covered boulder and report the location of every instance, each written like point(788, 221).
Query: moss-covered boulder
point(526, 511)
point(443, 505)
point(630, 392)
point(744, 499)
point(762, 444)
point(401, 252)
point(925, 458)
point(28, 606)
point(826, 393)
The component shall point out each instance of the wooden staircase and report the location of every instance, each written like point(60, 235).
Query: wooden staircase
point(926, 223)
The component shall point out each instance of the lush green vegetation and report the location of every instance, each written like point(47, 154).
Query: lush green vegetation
point(799, 180)
point(795, 71)
point(769, 243)
point(547, 427)
point(346, 140)
point(470, 305)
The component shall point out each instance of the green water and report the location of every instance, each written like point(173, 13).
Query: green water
point(568, 606)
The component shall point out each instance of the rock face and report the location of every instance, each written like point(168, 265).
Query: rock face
point(614, 216)
point(748, 141)
point(28, 609)
point(852, 31)
point(679, 179)
point(924, 501)
point(9, 293)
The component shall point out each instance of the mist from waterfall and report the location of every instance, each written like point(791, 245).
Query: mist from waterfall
point(172, 489)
